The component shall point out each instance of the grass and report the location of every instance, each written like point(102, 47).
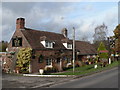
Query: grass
point(87, 69)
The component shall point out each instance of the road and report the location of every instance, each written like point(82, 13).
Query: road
point(17, 81)
point(105, 79)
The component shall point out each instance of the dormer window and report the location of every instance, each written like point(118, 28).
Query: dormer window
point(68, 45)
point(47, 44)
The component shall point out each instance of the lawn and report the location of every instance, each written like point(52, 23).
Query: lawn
point(86, 69)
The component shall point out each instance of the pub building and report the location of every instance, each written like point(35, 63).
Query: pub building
point(49, 49)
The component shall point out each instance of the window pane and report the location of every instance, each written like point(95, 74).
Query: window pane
point(40, 59)
point(17, 42)
point(69, 46)
point(48, 61)
point(48, 44)
point(58, 60)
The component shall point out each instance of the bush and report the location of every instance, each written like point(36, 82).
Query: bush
point(50, 70)
point(69, 66)
point(79, 64)
point(102, 48)
point(23, 59)
point(65, 68)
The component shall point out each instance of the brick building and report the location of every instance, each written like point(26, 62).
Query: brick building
point(49, 49)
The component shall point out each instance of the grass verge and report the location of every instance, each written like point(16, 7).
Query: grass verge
point(87, 69)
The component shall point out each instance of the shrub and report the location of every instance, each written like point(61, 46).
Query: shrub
point(104, 54)
point(24, 58)
point(50, 70)
point(79, 63)
point(69, 66)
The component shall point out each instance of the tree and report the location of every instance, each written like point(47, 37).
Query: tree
point(117, 38)
point(3, 46)
point(100, 35)
point(24, 58)
point(102, 51)
point(84, 38)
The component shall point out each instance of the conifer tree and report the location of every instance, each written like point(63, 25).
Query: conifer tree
point(24, 57)
point(101, 47)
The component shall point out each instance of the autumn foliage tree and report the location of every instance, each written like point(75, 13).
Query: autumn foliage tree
point(117, 36)
point(24, 58)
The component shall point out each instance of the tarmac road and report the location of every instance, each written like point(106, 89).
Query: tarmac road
point(105, 79)
point(16, 81)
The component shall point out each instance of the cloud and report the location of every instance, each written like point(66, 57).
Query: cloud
point(55, 16)
point(88, 7)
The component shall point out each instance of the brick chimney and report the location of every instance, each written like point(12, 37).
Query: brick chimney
point(64, 32)
point(20, 24)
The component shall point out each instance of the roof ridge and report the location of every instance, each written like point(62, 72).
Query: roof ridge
point(80, 41)
point(43, 31)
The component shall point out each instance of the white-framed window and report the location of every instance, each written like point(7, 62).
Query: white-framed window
point(47, 44)
point(67, 45)
point(68, 60)
point(48, 62)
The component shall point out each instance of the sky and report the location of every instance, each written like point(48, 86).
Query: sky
point(54, 16)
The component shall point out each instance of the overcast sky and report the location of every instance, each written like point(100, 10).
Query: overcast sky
point(53, 16)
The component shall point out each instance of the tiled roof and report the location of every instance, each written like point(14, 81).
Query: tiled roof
point(85, 48)
point(34, 37)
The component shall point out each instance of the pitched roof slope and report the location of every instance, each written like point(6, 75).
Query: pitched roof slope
point(33, 37)
point(85, 48)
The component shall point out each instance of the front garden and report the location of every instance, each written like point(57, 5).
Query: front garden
point(87, 69)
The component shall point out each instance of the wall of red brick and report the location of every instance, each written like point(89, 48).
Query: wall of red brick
point(36, 65)
point(34, 62)
point(25, 43)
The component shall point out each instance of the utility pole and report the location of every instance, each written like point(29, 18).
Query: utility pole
point(73, 50)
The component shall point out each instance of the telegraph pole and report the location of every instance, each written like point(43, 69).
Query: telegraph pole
point(73, 49)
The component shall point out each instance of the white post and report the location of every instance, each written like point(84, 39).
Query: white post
point(95, 66)
point(30, 68)
point(41, 71)
point(109, 61)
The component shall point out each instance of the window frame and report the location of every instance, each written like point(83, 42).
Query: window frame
point(40, 59)
point(69, 46)
point(17, 39)
point(48, 44)
point(48, 62)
